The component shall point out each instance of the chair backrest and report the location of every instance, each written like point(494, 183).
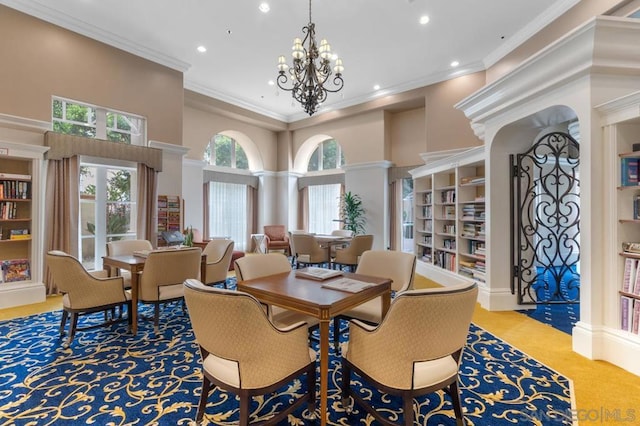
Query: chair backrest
point(358, 245)
point(307, 244)
point(441, 316)
point(342, 232)
point(275, 232)
point(168, 267)
point(218, 249)
point(71, 278)
point(120, 247)
point(261, 265)
point(397, 265)
point(243, 334)
point(219, 253)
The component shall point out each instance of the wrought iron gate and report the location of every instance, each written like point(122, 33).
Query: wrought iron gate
point(545, 231)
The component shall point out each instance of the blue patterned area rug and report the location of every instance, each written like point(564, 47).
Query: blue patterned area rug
point(108, 377)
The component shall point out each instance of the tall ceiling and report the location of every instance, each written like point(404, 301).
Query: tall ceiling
point(381, 41)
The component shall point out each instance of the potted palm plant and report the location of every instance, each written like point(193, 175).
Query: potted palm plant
point(352, 213)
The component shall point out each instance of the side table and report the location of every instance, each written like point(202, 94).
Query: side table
point(257, 241)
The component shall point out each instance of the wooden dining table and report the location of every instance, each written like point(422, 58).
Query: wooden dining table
point(135, 265)
point(330, 241)
point(309, 297)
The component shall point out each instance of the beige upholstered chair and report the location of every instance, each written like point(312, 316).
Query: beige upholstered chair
point(219, 254)
point(258, 266)
point(124, 247)
point(247, 356)
point(83, 292)
point(342, 233)
point(391, 358)
point(163, 275)
point(292, 247)
point(276, 238)
point(308, 250)
point(397, 265)
point(350, 255)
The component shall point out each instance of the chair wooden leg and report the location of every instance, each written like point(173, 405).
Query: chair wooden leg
point(244, 409)
point(407, 407)
point(346, 386)
point(457, 404)
point(72, 327)
point(156, 317)
point(336, 333)
point(63, 322)
point(204, 397)
point(311, 386)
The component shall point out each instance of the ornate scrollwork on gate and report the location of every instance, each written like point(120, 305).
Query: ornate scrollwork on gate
point(547, 221)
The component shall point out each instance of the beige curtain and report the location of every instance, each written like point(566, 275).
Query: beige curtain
point(147, 212)
point(205, 211)
point(303, 208)
point(62, 207)
point(393, 214)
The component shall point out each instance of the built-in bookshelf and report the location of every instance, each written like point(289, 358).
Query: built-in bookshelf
point(21, 224)
point(630, 293)
point(449, 196)
point(169, 215)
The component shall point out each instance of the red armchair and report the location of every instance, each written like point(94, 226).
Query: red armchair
point(276, 238)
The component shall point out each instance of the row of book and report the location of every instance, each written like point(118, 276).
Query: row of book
point(445, 260)
point(629, 314)
point(630, 306)
point(15, 189)
point(631, 277)
point(16, 270)
point(473, 212)
point(8, 210)
point(473, 230)
point(448, 196)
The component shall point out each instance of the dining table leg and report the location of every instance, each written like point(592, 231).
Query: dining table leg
point(324, 370)
point(134, 301)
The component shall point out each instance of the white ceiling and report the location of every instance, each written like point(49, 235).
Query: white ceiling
point(380, 41)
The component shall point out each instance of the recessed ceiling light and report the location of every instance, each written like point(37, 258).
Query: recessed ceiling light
point(376, 87)
point(202, 49)
point(264, 7)
point(455, 64)
point(270, 83)
point(424, 19)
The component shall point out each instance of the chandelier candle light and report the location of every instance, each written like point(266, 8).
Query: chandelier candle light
point(311, 70)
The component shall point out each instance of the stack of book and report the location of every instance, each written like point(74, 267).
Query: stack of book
point(19, 234)
point(630, 296)
point(629, 169)
point(16, 270)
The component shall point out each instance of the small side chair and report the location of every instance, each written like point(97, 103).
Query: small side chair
point(248, 356)
point(122, 247)
point(219, 253)
point(392, 359)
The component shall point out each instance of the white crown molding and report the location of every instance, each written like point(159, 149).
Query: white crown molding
point(368, 166)
point(553, 12)
point(21, 123)
point(621, 109)
point(604, 45)
point(63, 20)
point(169, 147)
point(23, 150)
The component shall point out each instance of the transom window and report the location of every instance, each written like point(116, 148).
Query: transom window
point(224, 151)
point(328, 155)
point(76, 118)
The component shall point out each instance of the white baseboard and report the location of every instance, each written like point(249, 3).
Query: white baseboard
point(18, 294)
point(608, 344)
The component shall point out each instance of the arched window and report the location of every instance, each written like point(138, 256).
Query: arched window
point(224, 151)
point(328, 155)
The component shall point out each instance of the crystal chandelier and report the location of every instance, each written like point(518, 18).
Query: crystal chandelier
point(311, 70)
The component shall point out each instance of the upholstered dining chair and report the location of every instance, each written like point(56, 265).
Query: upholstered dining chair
point(258, 266)
point(397, 265)
point(292, 247)
point(350, 255)
point(163, 276)
point(309, 251)
point(342, 233)
point(219, 252)
point(83, 291)
point(276, 238)
point(390, 357)
point(124, 247)
point(247, 355)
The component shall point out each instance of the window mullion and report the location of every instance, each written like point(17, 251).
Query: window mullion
point(101, 123)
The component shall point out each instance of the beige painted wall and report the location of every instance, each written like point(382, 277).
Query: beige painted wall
point(447, 127)
point(574, 17)
point(200, 126)
point(40, 60)
point(407, 131)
